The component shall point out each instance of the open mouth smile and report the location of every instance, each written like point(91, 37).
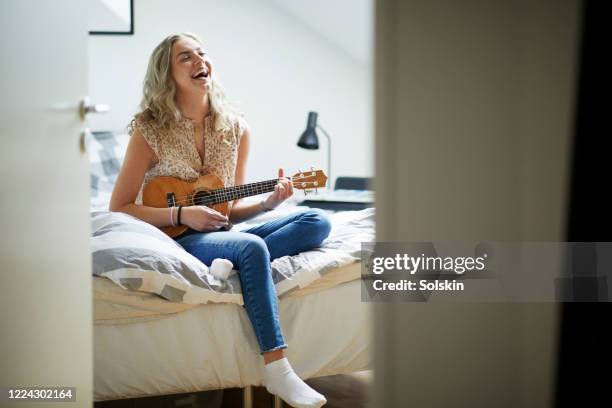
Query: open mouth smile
point(201, 74)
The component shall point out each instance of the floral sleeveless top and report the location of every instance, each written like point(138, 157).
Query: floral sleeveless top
point(177, 154)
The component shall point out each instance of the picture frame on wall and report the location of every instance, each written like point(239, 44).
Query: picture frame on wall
point(111, 17)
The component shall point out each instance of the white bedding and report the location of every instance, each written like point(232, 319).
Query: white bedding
point(213, 346)
point(137, 256)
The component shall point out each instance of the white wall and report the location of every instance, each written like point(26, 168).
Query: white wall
point(275, 66)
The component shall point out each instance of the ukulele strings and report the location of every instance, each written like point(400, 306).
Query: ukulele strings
point(217, 193)
point(206, 200)
point(250, 189)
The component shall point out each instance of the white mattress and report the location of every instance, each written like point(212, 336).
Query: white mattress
point(213, 346)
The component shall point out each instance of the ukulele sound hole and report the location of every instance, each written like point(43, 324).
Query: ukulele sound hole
point(202, 198)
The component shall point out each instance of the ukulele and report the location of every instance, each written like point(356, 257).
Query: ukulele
point(208, 190)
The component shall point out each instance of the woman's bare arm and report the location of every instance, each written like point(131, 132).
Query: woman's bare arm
point(139, 158)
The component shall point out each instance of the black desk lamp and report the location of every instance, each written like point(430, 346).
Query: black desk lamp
point(310, 140)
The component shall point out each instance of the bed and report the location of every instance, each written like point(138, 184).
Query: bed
point(147, 346)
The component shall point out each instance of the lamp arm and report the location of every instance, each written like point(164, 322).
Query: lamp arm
point(331, 180)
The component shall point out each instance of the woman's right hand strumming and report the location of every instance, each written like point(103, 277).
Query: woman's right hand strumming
point(138, 160)
point(203, 219)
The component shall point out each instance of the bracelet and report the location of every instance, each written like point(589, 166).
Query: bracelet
point(266, 209)
point(178, 220)
point(171, 217)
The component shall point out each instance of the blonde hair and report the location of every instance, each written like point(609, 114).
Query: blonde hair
point(158, 104)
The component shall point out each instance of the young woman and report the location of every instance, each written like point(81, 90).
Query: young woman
point(187, 129)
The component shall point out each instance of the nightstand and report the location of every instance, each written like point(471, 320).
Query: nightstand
point(340, 200)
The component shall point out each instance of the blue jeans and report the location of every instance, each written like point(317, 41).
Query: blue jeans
point(251, 251)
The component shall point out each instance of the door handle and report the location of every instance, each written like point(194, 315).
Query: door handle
point(85, 107)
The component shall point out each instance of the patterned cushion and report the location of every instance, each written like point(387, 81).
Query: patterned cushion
point(137, 256)
point(106, 152)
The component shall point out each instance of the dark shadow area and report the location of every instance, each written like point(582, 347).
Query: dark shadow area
point(584, 332)
point(341, 391)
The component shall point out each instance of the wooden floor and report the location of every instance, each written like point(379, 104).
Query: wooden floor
point(341, 391)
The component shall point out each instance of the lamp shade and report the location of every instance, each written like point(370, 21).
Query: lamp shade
point(309, 139)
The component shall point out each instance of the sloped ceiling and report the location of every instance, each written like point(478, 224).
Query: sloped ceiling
point(347, 24)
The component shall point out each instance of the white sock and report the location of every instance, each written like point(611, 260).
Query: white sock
point(281, 380)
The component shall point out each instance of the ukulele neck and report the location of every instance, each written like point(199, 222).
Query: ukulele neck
point(222, 195)
point(304, 180)
point(225, 194)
